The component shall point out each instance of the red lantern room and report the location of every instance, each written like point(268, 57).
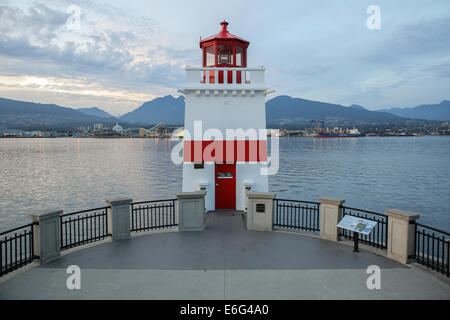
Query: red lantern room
point(224, 50)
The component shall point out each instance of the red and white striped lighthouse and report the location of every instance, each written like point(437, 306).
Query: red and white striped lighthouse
point(225, 143)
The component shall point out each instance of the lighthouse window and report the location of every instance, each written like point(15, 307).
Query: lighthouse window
point(225, 54)
point(239, 54)
point(210, 58)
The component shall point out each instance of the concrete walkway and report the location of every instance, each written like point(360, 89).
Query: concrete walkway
point(224, 262)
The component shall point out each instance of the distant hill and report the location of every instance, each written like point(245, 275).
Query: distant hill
point(28, 115)
point(281, 111)
point(439, 112)
point(96, 112)
point(291, 112)
point(168, 110)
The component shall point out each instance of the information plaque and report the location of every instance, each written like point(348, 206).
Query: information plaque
point(357, 226)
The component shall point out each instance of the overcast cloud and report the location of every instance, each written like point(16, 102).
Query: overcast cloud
point(115, 55)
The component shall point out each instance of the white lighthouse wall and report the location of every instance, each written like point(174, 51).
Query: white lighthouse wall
point(217, 111)
point(246, 174)
point(192, 178)
point(249, 173)
point(225, 112)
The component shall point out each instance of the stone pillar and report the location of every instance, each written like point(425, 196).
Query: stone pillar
point(260, 210)
point(401, 234)
point(119, 218)
point(330, 215)
point(191, 211)
point(47, 235)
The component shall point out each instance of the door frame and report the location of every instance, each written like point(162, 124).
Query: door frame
point(231, 192)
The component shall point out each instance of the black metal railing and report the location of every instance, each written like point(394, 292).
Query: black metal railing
point(432, 248)
point(81, 227)
point(296, 215)
point(378, 237)
point(155, 214)
point(16, 248)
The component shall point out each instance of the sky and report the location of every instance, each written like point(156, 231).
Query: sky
point(116, 55)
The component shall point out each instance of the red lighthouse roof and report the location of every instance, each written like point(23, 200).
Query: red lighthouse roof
point(224, 49)
point(224, 34)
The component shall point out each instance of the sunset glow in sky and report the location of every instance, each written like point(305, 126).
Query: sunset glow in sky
point(115, 55)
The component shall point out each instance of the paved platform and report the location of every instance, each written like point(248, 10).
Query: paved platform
point(224, 262)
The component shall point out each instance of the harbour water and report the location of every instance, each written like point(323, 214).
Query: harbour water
point(374, 173)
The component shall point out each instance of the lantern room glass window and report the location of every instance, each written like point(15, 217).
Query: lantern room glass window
point(210, 57)
point(239, 56)
point(224, 54)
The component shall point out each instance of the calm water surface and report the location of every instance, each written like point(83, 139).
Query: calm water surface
point(375, 173)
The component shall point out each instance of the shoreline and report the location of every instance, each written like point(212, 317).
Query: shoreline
point(168, 137)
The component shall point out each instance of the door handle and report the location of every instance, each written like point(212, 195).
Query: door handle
point(217, 184)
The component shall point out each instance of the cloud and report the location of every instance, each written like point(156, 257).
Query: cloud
point(40, 21)
point(41, 35)
point(140, 48)
point(428, 38)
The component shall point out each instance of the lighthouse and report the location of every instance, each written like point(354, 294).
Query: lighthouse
point(225, 139)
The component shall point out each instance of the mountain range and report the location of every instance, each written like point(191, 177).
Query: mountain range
point(168, 110)
point(96, 112)
point(29, 115)
point(285, 111)
point(439, 112)
point(282, 111)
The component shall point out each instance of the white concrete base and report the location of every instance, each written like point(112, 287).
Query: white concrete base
point(260, 210)
point(401, 234)
point(330, 215)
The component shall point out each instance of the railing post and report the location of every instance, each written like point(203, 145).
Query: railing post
point(191, 211)
point(208, 74)
point(401, 234)
point(260, 210)
point(330, 215)
point(47, 235)
point(119, 218)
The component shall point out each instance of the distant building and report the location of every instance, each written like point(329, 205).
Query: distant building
point(10, 133)
point(117, 128)
point(36, 133)
point(178, 133)
point(98, 127)
point(142, 132)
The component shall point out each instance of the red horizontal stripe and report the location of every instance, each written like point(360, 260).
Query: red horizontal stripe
point(225, 151)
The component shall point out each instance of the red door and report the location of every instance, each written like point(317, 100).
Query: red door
point(225, 186)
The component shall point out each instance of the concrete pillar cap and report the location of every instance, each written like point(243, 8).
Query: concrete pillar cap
point(45, 214)
point(401, 214)
point(334, 201)
point(260, 195)
point(187, 195)
point(119, 201)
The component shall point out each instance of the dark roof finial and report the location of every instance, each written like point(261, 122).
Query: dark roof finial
point(224, 25)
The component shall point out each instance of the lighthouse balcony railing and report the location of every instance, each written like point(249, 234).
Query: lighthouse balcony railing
point(224, 76)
